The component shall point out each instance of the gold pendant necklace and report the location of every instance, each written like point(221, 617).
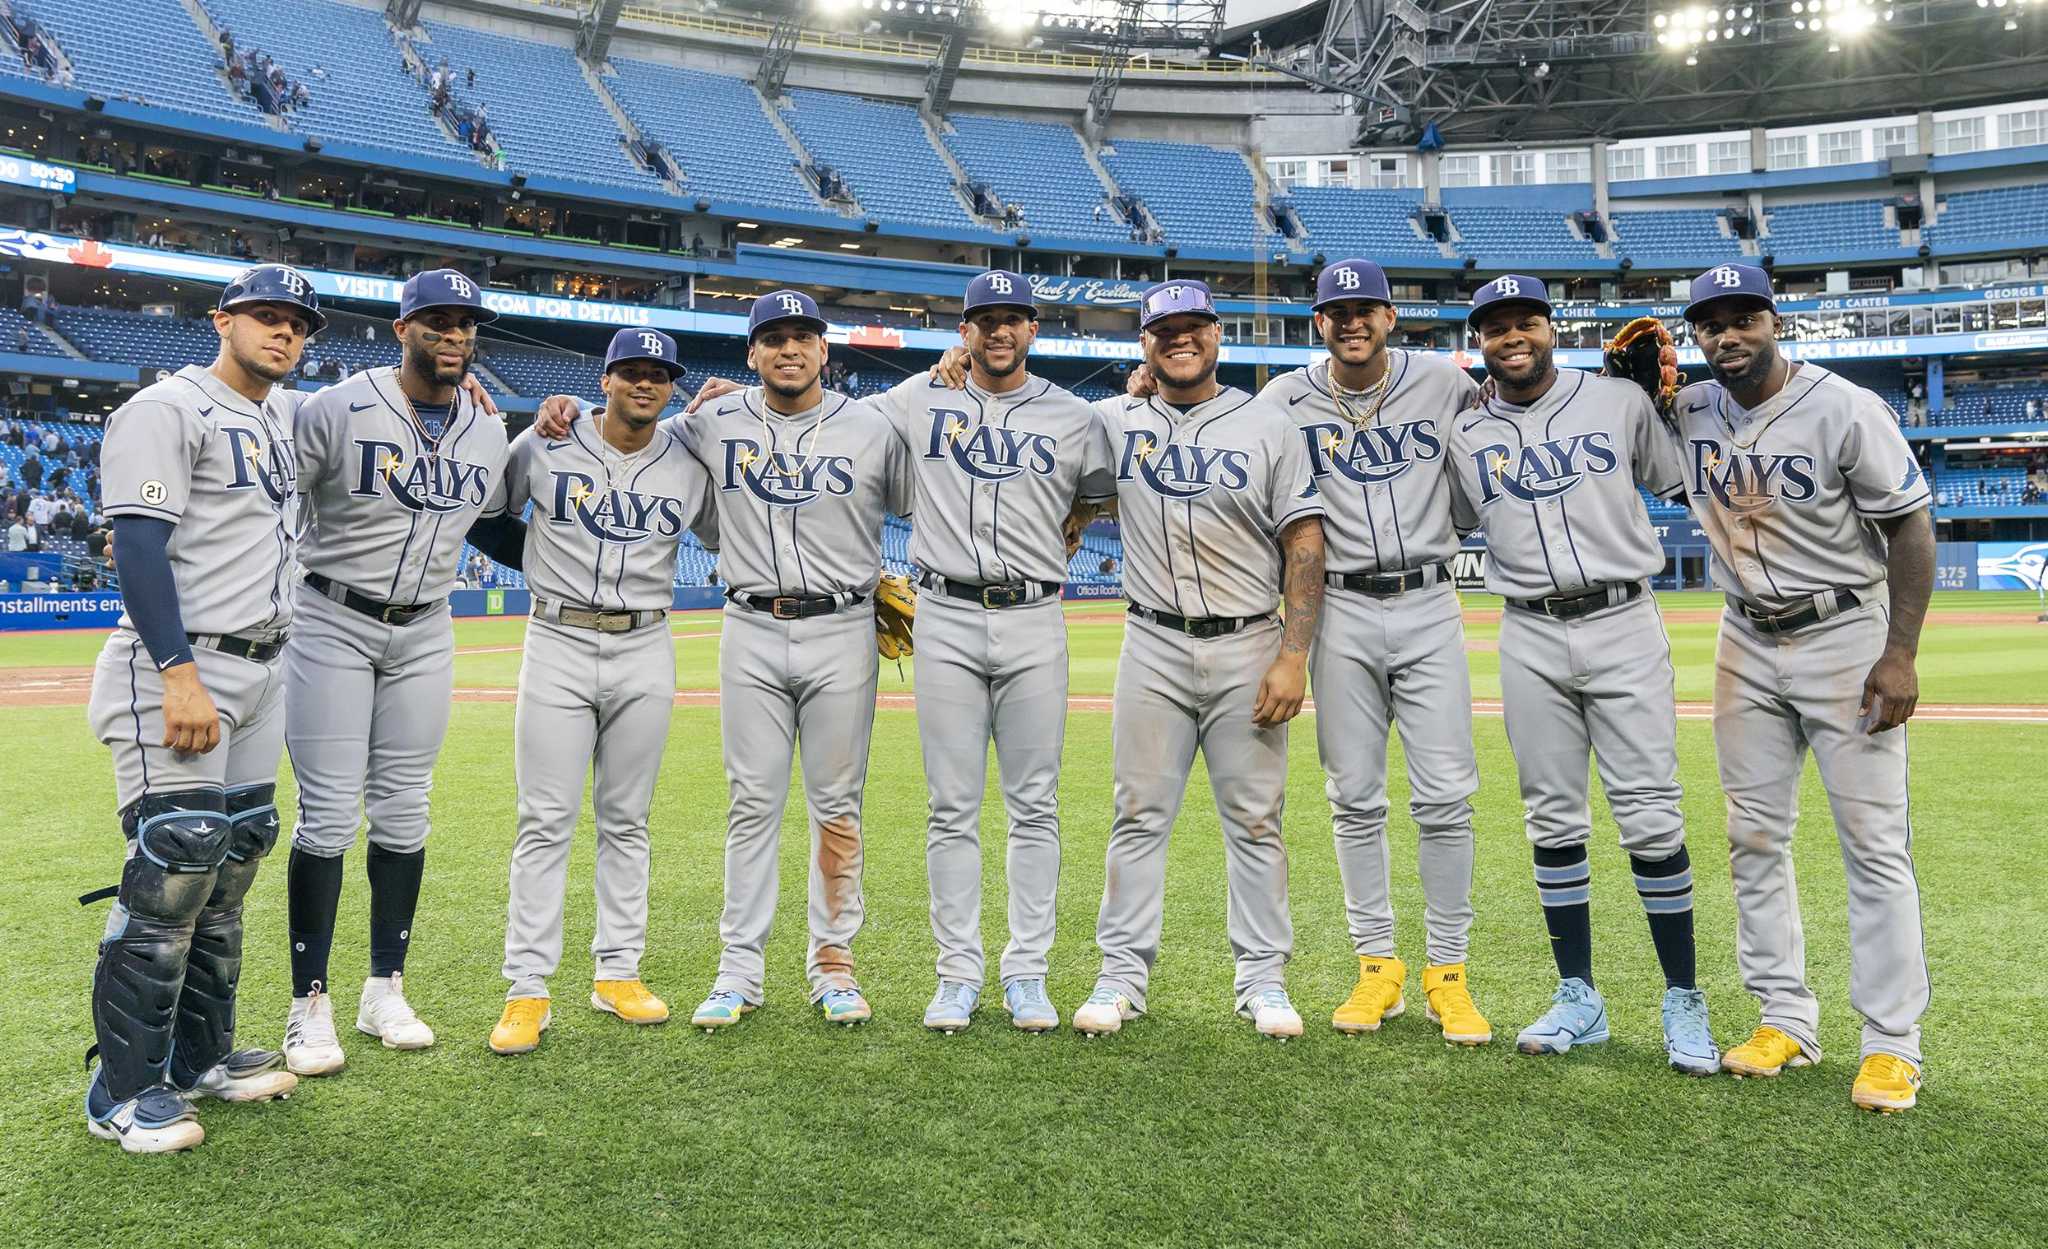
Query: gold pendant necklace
point(1378, 392)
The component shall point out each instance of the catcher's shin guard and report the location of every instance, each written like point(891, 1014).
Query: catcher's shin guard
point(205, 1029)
point(178, 841)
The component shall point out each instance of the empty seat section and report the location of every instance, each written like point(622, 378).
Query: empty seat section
point(1040, 167)
point(882, 151)
point(1201, 196)
point(715, 128)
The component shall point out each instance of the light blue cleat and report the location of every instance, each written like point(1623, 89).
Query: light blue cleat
point(1687, 1038)
point(721, 1010)
point(844, 1006)
point(1030, 1009)
point(1577, 1016)
point(952, 1007)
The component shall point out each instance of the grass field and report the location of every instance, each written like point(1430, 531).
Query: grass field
point(1185, 1130)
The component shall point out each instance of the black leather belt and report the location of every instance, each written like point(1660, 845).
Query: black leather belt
point(256, 650)
point(1197, 626)
point(385, 613)
point(1798, 617)
point(1570, 606)
point(795, 606)
point(993, 597)
point(576, 617)
point(1387, 583)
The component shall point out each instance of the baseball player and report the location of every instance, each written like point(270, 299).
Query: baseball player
point(1550, 465)
point(1215, 494)
point(200, 479)
point(1005, 468)
point(398, 463)
point(1391, 646)
point(1818, 517)
point(802, 478)
point(597, 683)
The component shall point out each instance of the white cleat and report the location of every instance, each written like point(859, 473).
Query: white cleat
point(156, 1121)
point(386, 1015)
point(250, 1075)
point(1103, 1014)
point(1273, 1015)
point(310, 1046)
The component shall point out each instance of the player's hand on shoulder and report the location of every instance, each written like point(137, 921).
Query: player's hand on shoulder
point(1890, 692)
point(1141, 384)
point(712, 389)
point(1480, 396)
point(556, 414)
point(191, 724)
point(950, 370)
point(479, 394)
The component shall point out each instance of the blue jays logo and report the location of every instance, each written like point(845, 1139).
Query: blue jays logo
point(1543, 470)
point(989, 452)
point(419, 483)
point(1748, 481)
point(1175, 471)
point(2026, 566)
point(623, 516)
point(1375, 454)
point(273, 468)
point(785, 479)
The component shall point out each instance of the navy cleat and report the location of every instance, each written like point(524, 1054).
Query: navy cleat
point(1687, 1038)
point(1577, 1016)
point(154, 1121)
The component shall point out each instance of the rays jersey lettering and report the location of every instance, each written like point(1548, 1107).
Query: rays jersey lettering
point(1543, 470)
point(1373, 454)
point(787, 478)
point(272, 468)
point(1749, 481)
point(419, 483)
point(626, 517)
point(1177, 471)
point(989, 452)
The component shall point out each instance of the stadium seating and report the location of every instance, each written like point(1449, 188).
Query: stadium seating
point(39, 342)
point(715, 128)
point(1201, 196)
point(1841, 228)
point(883, 153)
point(147, 51)
point(344, 54)
point(1040, 167)
point(1373, 224)
point(1993, 405)
point(1518, 238)
point(1990, 486)
point(1988, 219)
point(1673, 238)
point(138, 338)
point(548, 121)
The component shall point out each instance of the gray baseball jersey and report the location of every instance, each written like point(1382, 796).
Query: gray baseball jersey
point(1380, 660)
point(1386, 505)
point(1788, 494)
point(605, 526)
point(222, 469)
point(1202, 498)
point(800, 498)
point(996, 475)
point(388, 506)
point(1554, 484)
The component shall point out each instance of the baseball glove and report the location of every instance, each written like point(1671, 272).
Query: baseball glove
point(1644, 354)
point(895, 614)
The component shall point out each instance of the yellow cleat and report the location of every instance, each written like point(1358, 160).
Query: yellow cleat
point(1451, 1006)
point(1375, 999)
point(629, 1000)
point(519, 1028)
point(1766, 1053)
point(1886, 1083)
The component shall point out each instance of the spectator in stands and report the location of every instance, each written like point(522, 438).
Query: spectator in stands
point(300, 96)
point(21, 337)
point(238, 78)
point(32, 473)
point(22, 536)
point(52, 444)
point(96, 541)
point(227, 43)
point(6, 427)
point(40, 509)
point(58, 476)
point(2033, 410)
point(469, 78)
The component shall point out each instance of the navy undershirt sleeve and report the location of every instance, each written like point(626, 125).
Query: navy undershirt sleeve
point(503, 538)
point(149, 589)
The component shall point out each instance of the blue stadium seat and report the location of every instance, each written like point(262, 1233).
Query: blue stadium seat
point(147, 51)
point(1516, 238)
point(1376, 225)
point(2002, 485)
point(1040, 167)
point(1822, 231)
point(882, 151)
point(1201, 196)
point(715, 128)
point(1674, 238)
point(1988, 219)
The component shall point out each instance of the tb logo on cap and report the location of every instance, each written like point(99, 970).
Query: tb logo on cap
point(293, 282)
point(651, 344)
point(1727, 276)
point(460, 285)
point(999, 283)
point(1507, 286)
point(792, 306)
point(1347, 279)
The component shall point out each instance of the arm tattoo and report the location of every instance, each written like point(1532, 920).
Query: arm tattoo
point(1909, 567)
point(1303, 542)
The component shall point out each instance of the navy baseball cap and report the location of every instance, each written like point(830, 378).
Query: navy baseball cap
point(643, 345)
point(442, 288)
point(1508, 288)
point(999, 288)
point(275, 284)
point(1352, 279)
point(1744, 282)
point(778, 306)
point(1171, 299)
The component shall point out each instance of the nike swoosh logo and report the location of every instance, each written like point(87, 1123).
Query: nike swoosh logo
point(557, 446)
point(1295, 400)
point(1469, 426)
point(358, 407)
point(207, 410)
point(1697, 407)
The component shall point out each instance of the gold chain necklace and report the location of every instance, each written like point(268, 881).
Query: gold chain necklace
point(1378, 392)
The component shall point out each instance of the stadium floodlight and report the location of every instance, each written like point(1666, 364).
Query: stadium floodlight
point(1012, 15)
point(834, 7)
